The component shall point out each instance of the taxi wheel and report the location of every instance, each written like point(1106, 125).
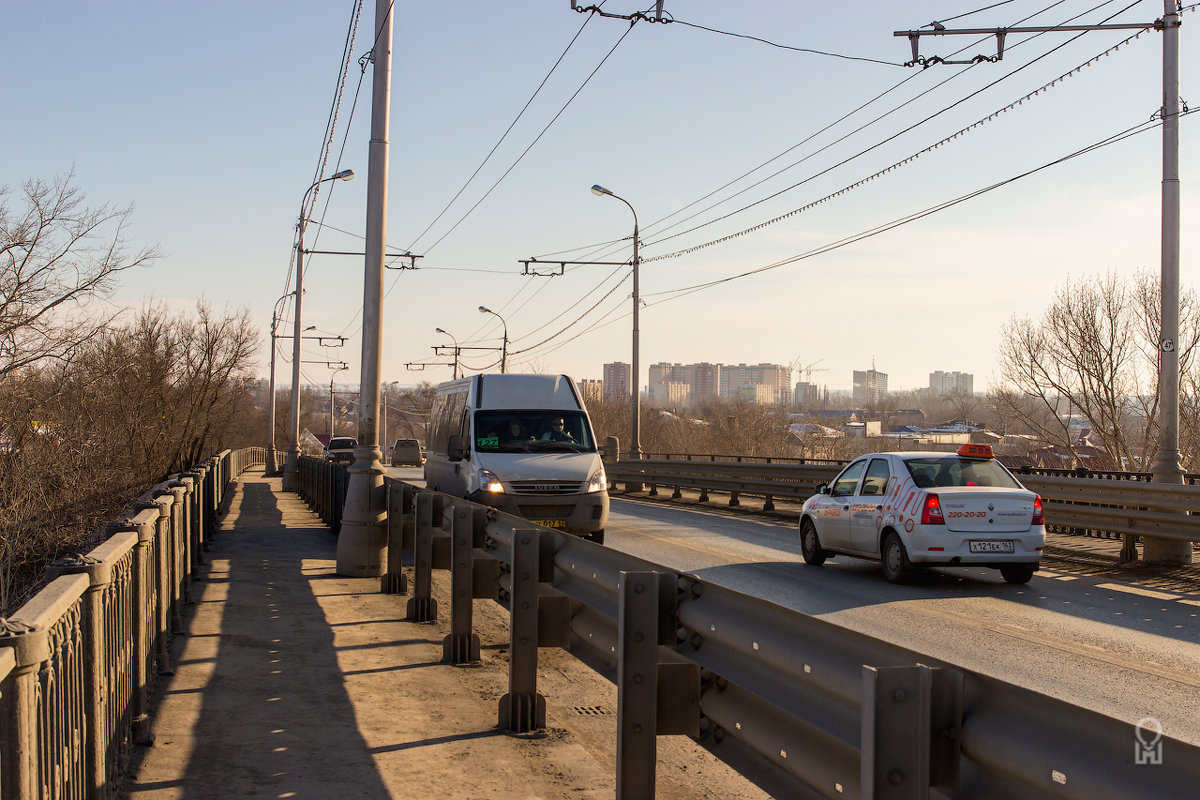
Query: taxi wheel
point(896, 566)
point(1017, 573)
point(810, 545)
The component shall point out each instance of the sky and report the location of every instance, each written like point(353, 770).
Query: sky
point(736, 154)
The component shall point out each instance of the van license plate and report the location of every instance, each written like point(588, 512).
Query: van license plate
point(992, 547)
point(550, 523)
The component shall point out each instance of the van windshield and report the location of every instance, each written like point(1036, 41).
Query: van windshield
point(532, 432)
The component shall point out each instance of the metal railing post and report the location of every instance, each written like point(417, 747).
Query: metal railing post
point(523, 709)
point(461, 645)
point(637, 685)
point(400, 528)
point(422, 607)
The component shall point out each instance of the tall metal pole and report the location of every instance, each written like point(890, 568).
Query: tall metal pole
point(362, 543)
point(635, 443)
point(635, 446)
point(332, 375)
point(1167, 468)
point(272, 466)
point(291, 477)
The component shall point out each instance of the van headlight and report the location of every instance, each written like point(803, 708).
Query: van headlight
point(598, 482)
point(488, 482)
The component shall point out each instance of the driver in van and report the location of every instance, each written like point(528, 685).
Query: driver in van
point(557, 433)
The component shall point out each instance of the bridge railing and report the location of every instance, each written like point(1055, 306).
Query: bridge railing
point(1112, 506)
point(838, 711)
point(79, 661)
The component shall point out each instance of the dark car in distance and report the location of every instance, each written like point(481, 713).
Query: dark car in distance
point(340, 449)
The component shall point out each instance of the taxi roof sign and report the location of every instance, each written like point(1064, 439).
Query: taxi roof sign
point(975, 451)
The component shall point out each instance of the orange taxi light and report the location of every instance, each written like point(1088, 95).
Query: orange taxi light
point(975, 451)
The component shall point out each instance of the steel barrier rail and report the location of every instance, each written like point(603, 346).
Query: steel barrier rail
point(1115, 506)
point(79, 660)
point(852, 716)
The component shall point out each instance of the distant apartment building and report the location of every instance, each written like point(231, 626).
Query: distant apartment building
point(870, 386)
point(617, 380)
point(943, 383)
point(806, 393)
point(762, 393)
point(670, 385)
point(591, 389)
point(701, 380)
point(734, 379)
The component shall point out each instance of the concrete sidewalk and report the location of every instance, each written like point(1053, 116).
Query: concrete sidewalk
point(293, 682)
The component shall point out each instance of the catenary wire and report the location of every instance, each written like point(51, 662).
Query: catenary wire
point(872, 148)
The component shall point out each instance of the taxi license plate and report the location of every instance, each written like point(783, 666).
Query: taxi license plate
point(992, 547)
point(550, 523)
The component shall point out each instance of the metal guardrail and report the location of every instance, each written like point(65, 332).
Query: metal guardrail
point(79, 661)
point(832, 710)
point(322, 485)
point(1112, 506)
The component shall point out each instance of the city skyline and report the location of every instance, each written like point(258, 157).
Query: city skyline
point(844, 220)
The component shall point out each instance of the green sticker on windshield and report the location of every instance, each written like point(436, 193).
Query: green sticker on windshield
point(488, 441)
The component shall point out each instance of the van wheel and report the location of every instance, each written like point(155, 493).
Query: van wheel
point(596, 536)
point(1017, 573)
point(810, 545)
point(896, 566)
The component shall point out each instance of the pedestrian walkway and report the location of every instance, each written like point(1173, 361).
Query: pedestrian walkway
point(293, 682)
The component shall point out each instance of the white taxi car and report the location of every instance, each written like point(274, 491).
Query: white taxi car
point(912, 510)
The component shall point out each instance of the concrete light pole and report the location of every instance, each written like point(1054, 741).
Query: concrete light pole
point(362, 543)
point(272, 463)
point(635, 444)
point(455, 373)
point(291, 482)
point(504, 348)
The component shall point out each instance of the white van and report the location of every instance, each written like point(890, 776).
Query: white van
point(522, 444)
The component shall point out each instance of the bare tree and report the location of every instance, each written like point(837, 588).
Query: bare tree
point(56, 257)
point(1094, 354)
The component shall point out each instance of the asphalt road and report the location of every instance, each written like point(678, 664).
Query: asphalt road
point(1111, 646)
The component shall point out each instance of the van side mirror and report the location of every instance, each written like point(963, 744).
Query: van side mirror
point(823, 488)
point(611, 449)
point(454, 448)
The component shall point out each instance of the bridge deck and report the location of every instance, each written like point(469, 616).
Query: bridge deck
point(294, 682)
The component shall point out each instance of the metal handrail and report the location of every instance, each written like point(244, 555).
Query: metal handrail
point(1072, 502)
point(79, 660)
point(820, 702)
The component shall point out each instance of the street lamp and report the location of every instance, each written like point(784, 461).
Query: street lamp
point(635, 446)
point(291, 482)
point(336, 369)
point(272, 465)
point(504, 349)
point(439, 330)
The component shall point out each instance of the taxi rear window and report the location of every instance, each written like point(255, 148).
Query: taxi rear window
point(938, 471)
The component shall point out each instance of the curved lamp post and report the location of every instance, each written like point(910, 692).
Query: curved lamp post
point(504, 349)
point(439, 330)
point(635, 445)
point(291, 481)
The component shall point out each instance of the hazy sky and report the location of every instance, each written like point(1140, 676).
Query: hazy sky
point(210, 117)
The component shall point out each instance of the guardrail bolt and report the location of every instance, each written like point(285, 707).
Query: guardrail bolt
point(696, 641)
point(637, 678)
point(895, 777)
point(637, 728)
point(639, 588)
point(900, 695)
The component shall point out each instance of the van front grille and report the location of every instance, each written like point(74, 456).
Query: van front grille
point(545, 487)
point(546, 512)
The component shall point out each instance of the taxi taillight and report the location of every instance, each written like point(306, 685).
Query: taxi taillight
point(931, 512)
point(1039, 516)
